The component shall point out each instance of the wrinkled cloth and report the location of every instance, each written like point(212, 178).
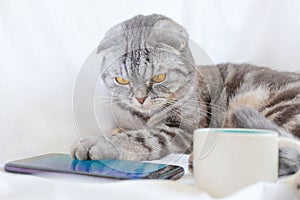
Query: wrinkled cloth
point(50, 186)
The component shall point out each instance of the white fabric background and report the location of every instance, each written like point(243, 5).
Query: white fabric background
point(42, 46)
point(44, 43)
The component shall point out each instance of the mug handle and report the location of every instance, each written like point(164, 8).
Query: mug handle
point(294, 144)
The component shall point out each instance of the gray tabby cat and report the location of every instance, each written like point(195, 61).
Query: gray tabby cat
point(159, 95)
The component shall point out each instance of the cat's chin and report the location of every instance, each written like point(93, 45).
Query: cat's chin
point(143, 109)
point(147, 109)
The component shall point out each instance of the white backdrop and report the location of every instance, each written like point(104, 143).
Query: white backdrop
point(44, 43)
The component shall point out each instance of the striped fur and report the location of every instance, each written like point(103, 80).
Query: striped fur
point(275, 95)
point(226, 95)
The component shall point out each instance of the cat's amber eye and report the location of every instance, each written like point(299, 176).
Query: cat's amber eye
point(159, 78)
point(122, 81)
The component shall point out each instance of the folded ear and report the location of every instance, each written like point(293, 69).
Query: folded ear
point(111, 39)
point(168, 32)
point(105, 45)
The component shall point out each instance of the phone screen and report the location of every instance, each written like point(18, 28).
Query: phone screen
point(120, 169)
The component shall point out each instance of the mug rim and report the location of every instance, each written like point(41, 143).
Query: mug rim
point(237, 131)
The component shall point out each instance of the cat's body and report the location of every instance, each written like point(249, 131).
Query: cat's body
point(159, 96)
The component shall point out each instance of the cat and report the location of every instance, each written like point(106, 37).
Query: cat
point(160, 96)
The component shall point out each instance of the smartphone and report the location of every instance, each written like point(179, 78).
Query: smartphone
point(117, 169)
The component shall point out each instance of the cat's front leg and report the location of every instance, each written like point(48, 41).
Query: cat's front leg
point(89, 148)
point(146, 144)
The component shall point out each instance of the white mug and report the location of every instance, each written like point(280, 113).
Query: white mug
point(226, 160)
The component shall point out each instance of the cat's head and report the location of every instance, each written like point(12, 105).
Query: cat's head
point(147, 63)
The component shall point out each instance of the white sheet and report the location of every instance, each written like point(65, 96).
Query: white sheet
point(62, 186)
point(44, 43)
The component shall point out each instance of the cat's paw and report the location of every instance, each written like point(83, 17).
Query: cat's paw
point(289, 161)
point(94, 148)
point(289, 164)
point(191, 167)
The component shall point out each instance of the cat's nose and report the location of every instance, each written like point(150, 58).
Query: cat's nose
point(141, 100)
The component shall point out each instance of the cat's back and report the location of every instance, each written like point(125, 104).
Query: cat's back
point(235, 75)
point(275, 94)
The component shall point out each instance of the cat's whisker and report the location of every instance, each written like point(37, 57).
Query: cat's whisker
point(209, 105)
point(185, 104)
point(103, 103)
point(191, 107)
point(106, 103)
point(198, 113)
point(107, 98)
point(202, 111)
point(201, 101)
point(98, 100)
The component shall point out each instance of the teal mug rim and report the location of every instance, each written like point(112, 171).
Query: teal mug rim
point(236, 131)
